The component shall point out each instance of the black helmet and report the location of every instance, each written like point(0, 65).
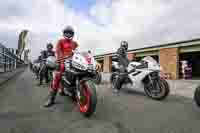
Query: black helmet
point(89, 51)
point(39, 57)
point(124, 44)
point(68, 32)
point(49, 45)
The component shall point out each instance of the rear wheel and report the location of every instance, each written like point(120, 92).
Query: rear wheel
point(157, 89)
point(88, 99)
point(197, 96)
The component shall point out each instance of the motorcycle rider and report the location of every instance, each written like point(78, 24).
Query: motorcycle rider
point(123, 64)
point(44, 69)
point(64, 49)
point(36, 68)
point(31, 66)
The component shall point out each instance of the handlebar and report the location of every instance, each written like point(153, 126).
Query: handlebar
point(63, 58)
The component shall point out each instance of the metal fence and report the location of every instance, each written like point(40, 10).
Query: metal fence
point(9, 60)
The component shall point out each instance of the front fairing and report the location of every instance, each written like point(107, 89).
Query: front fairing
point(51, 62)
point(152, 63)
point(83, 61)
point(132, 65)
point(37, 65)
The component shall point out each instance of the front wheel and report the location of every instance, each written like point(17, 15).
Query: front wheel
point(157, 89)
point(88, 99)
point(197, 96)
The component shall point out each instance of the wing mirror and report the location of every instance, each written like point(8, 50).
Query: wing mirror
point(134, 66)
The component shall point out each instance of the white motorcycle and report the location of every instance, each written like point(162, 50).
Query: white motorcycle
point(145, 74)
point(77, 80)
point(197, 96)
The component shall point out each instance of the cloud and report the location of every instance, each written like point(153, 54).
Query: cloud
point(8, 38)
point(142, 23)
point(147, 23)
point(10, 8)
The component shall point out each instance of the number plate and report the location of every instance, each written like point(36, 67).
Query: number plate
point(67, 64)
point(90, 66)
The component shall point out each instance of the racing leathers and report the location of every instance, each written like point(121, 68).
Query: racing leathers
point(123, 64)
point(122, 58)
point(44, 69)
point(64, 49)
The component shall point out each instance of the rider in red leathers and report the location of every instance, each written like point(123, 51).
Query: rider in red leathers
point(64, 49)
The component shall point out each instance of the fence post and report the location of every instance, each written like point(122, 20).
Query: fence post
point(9, 61)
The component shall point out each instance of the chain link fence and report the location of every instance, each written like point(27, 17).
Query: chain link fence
point(9, 60)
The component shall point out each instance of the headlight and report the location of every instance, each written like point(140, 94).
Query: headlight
point(67, 64)
point(90, 66)
point(78, 66)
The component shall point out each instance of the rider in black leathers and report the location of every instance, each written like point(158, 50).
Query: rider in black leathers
point(123, 64)
point(44, 70)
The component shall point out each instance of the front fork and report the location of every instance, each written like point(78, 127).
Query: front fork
point(78, 88)
point(152, 81)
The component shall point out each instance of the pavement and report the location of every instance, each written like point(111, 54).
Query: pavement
point(21, 111)
point(4, 77)
point(183, 88)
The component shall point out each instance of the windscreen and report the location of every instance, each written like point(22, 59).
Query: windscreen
point(150, 59)
point(84, 54)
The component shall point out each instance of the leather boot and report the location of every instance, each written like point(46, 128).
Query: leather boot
point(51, 100)
point(40, 83)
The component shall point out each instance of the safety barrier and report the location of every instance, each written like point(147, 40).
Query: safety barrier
point(9, 60)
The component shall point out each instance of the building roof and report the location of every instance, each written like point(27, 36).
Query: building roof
point(156, 47)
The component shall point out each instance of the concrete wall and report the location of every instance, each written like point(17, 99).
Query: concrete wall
point(169, 60)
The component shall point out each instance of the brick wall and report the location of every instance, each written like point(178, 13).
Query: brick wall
point(169, 58)
point(107, 64)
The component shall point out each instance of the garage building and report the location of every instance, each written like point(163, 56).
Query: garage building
point(173, 57)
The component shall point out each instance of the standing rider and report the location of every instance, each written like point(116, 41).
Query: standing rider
point(123, 64)
point(49, 51)
point(45, 54)
point(64, 49)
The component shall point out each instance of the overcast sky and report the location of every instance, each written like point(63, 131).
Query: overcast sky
point(100, 23)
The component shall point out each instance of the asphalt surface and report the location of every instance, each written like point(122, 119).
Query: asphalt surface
point(21, 111)
point(8, 75)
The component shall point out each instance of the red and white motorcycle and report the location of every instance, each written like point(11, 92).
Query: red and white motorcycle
point(77, 81)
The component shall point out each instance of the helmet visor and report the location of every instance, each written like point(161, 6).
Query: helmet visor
point(49, 46)
point(68, 34)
